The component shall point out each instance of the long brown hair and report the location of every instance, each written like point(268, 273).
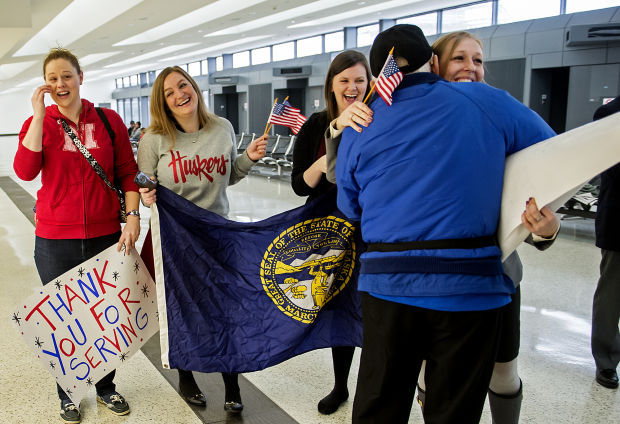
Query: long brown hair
point(343, 61)
point(162, 120)
point(451, 40)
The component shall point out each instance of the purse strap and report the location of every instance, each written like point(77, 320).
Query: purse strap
point(106, 123)
point(89, 158)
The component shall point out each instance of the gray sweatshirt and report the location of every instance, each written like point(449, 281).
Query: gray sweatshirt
point(200, 165)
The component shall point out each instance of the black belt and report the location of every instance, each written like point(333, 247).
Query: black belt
point(431, 265)
point(462, 243)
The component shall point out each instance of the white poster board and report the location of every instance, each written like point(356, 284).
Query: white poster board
point(552, 171)
point(87, 321)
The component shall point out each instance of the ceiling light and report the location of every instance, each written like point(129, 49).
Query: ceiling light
point(96, 57)
point(269, 20)
point(76, 20)
point(200, 16)
point(216, 48)
point(150, 55)
point(32, 82)
point(354, 12)
point(9, 70)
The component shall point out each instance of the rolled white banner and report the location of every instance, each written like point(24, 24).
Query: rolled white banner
point(552, 171)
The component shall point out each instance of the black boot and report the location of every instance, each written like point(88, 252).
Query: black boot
point(232, 396)
point(505, 409)
point(190, 390)
point(342, 356)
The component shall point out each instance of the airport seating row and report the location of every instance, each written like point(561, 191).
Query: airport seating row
point(278, 160)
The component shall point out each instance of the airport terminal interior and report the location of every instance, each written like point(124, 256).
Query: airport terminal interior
point(245, 54)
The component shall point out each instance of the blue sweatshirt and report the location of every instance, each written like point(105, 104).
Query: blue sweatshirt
point(430, 167)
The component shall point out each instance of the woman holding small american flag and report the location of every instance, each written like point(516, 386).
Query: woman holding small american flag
point(346, 84)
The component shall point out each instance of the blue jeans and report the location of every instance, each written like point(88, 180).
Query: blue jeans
point(54, 257)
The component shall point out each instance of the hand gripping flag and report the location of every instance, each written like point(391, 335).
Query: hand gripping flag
point(388, 80)
point(240, 297)
point(287, 115)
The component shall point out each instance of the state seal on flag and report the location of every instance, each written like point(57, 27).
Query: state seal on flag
point(308, 264)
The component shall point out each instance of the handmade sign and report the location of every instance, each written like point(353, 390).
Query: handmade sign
point(87, 321)
point(552, 171)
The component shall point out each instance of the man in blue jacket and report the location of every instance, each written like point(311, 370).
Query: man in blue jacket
point(606, 304)
point(425, 180)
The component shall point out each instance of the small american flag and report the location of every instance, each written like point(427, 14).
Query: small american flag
point(287, 115)
point(388, 80)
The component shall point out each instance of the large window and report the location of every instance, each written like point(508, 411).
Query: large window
point(366, 34)
point(125, 81)
point(204, 67)
point(474, 16)
point(119, 84)
point(133, 80)
point(284, 51)
point(523, 10)
point(194, 69)
point(219, 63)
point(334, 41)
point(120, 109)
point(310, 46)
point(135, 109)
point(426, 22)
point(262, 55)
point(573, 6)
point(241, 59)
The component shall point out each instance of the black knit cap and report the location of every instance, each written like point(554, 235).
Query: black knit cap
point(408, 42)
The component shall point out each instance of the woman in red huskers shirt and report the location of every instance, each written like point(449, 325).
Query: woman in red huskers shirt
point(77, 214)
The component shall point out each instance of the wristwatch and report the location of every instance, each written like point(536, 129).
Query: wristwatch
point(134, 212)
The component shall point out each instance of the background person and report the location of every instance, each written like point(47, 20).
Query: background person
point(606, 304)
point(346, 84)
point(181, 127)
point(425, 180)
point(77, 215)
point(460, 59)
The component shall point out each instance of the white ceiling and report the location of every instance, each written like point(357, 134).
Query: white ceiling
point(114, 38)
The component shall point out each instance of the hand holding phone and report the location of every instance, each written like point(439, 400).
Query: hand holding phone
point(144, 181)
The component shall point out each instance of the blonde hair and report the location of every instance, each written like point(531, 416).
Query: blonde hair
point(445, 45)
point(162, 119)
point(61, 53)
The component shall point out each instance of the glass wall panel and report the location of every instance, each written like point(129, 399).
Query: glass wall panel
point(284, 51)
point(119, 83)
point(523, 10)
point(135, 109)
point(120, 109)
point(310, 46)
point(262, 55)
point(125, 81)
point(474, 16)
point(127, 109)
point(241, 59)
point(573, 6)
point(205, 67)
point(366, 34)
point(133, 80)
point(205, 96)
point(194, 69)
point(219, 63)
point(426, 22)
point(334, 41)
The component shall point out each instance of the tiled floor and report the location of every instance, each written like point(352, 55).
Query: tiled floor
point(555, 361)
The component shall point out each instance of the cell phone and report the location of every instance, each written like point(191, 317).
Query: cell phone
point(145, 181)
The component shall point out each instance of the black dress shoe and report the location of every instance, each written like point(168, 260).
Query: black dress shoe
point(198, 399)
point(607, 378)
point(233, 407)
